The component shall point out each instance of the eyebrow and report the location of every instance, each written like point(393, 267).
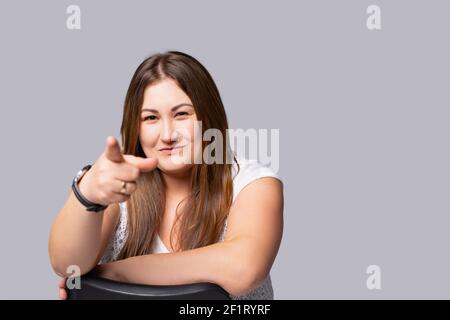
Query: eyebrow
point(173, 108)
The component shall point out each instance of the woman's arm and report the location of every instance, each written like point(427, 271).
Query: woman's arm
point(79, 237)
point(238, 264)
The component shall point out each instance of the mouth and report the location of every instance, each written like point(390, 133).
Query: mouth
point(170, 149)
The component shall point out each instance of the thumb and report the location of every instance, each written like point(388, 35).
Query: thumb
point(112, 151)
point(144, 164)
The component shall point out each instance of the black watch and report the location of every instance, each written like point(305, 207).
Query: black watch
point(90, 206)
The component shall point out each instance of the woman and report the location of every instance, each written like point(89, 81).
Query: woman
point(163, 217)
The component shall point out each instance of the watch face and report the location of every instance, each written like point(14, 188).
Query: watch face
point(82, 172)
point(79, 174)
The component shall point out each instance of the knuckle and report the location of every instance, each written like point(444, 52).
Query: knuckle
point(134, 173)
point(130, 190)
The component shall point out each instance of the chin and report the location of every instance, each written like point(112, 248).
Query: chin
point(170, 167)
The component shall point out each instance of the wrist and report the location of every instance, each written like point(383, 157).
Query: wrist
point(89, 205)
point(83, 186)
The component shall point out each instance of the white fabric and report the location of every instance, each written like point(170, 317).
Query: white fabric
point(250, 170)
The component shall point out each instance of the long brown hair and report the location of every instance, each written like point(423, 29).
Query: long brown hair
point(203, 213)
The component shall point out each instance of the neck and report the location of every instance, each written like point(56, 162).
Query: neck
point(177, 185)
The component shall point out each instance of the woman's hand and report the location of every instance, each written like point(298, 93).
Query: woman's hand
point(103, 183)
point(62, 288)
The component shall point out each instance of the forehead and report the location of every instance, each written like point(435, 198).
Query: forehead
point(164, 94)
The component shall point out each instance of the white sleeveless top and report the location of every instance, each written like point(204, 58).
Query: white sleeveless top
point(250, 170)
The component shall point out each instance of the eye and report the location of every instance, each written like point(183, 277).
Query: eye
point(149, 118)
point(182, 113)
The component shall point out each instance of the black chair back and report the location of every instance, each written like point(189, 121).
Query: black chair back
point(96, 288)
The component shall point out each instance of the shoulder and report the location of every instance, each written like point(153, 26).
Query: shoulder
point(246, 171)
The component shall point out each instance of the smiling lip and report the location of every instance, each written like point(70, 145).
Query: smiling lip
point(170, 149)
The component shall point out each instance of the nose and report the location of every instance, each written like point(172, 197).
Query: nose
point(168, 134)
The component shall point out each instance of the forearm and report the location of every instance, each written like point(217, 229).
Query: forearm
point(222, 263)
point(75, 237)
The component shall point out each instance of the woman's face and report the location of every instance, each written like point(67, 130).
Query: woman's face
point(168, 126)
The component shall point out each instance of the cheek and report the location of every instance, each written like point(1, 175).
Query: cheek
point(187, 130)
point(195, 141)
point(148, 136)
point(191, 133)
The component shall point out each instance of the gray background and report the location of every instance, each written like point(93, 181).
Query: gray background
point(363, 118)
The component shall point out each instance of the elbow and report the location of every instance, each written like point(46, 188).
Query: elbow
point(64, 269)
point(245, 278)
point(57, 266)
point(61, 269)
point(66, 264)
